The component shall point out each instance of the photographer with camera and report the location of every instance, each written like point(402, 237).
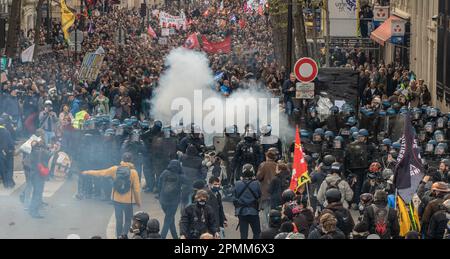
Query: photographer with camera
point(48, 121)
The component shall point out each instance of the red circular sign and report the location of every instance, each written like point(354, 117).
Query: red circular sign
point(306, 70)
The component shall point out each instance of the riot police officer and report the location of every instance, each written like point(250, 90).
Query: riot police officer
point(232, 139)
point(6, 150)
point(136, 147)
point(194, 137)
point(248, 151)
point(359, 155)
point(267, 140)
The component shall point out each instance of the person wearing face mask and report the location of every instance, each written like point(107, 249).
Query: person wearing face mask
point(215, 202)
point(198, 218)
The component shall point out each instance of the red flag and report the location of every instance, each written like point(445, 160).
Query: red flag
point(151, 32)
point(242, 23)
point(192, 42)
point(300, 167)
point(217, 47)
point(260, 10)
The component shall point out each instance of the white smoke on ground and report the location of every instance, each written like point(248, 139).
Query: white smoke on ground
point(188, 85)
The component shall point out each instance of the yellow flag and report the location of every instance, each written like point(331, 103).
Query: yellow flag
point(67, 19)
point(403, 217)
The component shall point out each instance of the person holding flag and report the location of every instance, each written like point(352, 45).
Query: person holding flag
point(409, 173)
point(300, 174)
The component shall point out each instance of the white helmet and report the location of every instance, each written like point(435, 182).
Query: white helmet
point(48, 102)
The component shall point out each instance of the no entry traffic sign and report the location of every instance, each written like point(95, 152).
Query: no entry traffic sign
point(306, 70)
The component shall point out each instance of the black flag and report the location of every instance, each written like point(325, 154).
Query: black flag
point(409, 170)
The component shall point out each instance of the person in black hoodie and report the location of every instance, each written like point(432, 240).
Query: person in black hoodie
point(153, 229)
point(169, 186)
point(278, 185)
point(193, 170)
point(345, 221)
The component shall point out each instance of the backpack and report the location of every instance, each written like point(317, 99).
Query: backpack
point(171, 185)
point(122, 183)
point(344, 221)
point(381, 220)
point(334, 186)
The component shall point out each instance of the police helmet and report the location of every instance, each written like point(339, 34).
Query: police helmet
point(353, 130)
point(441, 122)
point(266, 129)
point(305, 134)
point(439, 136)
point(355, 135)
point(145, 125)
point(363, 133)
point(337, 143)
point(329, 134)
point(397, 106)
point(446, 162)
point(391, 112)
point(433, 112)
point(328, 160)
point(313, 111)
point(429, 127)
point(48, 103)
point(115, 122)
point(319, 131)
point(110, 132)
point(248, 171)
point(396, 145)
point(417, 113)
point(429, 148)
point(333, 195)
point(387, 142)
point(158, 124)
point(128, 122)
point(382, 113)
point(404, 110)
point(386, 104)
point(287, 195)
point(441, 149)
point(351, 121)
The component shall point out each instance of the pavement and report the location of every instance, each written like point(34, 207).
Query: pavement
point(66, 215)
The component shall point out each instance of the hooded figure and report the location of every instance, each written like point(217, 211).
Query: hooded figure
point(153, 229)
point(170, 183)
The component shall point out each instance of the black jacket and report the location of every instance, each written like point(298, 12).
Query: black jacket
point(276, 188)
point(196, 220)
point(437, 226)
point(215, 202)
point(393, 228)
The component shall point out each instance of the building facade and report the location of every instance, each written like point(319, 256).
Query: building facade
point(425, 46)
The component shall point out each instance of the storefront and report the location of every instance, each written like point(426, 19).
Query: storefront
point(394, 37)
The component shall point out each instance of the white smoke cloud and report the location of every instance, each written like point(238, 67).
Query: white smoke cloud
point(185, 90)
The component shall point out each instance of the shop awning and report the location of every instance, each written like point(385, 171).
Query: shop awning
point(384, 32)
